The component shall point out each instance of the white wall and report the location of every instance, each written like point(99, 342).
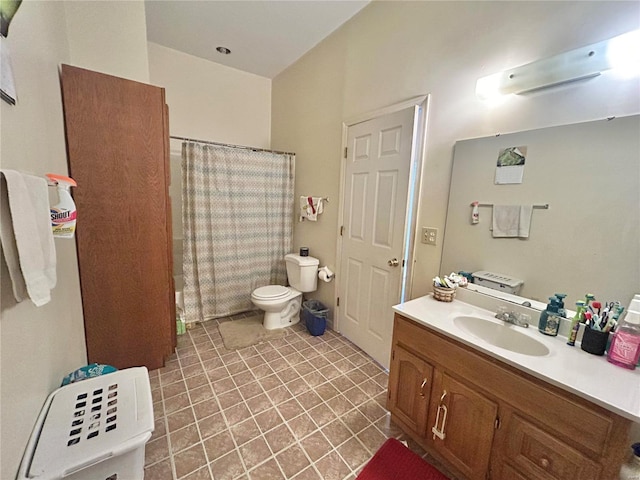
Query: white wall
point(307, 119)
point(41, 345)
point(393, 51)
point(207, 101)
point(99, 30)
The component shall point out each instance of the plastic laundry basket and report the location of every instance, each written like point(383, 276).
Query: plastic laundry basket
point(95, 429)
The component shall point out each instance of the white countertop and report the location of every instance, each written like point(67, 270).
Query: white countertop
point(589, 376)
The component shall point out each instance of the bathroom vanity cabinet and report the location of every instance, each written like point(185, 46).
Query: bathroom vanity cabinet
point(485, 419)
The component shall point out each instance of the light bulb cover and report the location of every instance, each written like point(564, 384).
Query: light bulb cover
point(577, 64)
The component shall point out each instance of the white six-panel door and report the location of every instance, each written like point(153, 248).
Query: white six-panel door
point(377, 170)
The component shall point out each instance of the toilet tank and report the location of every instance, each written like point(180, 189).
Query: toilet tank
point(302, 272)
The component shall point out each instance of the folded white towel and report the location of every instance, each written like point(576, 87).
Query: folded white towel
point(511, 221)
point(311, 207)
point(9, 247)
point(26, 236)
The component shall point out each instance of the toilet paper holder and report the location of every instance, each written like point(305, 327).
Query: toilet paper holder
point(325, 274)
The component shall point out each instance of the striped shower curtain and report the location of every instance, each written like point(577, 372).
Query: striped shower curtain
point(237, 209)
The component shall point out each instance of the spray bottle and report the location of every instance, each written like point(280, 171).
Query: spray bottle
point(63, 215)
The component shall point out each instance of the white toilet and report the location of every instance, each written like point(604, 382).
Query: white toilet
point(281, 305)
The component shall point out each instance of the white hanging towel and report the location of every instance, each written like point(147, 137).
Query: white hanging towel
point(511, 221)
point(311, 207)
point(26, 236)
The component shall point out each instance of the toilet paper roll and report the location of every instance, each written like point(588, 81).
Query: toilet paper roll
point(325, 274)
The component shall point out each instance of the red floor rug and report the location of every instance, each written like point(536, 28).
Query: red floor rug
point(394, 461)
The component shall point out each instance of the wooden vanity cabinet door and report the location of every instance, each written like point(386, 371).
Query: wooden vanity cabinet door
point(538, 455)
point(410, 380)
point(468, 428)
point(505, 471)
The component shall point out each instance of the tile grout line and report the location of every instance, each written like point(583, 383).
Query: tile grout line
point(252, 417)
point(195, 419)
point(237, 447)
point(336, 347)
point(324, 402)
point(277, 411)
point(166, 429)
point(286, 422)
point(222, 412)
point(312, 464)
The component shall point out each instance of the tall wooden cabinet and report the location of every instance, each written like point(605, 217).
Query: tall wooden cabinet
point(117, 145)
point(486, 420)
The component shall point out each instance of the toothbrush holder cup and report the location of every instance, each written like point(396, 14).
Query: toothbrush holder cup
point(594, 341)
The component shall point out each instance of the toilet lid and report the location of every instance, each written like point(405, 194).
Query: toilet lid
point(271, 292)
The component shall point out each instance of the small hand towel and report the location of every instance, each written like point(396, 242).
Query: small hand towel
point(26, 236)
point(310, 208)
point(511, 221)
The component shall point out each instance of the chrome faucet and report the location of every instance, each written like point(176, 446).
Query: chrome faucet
point(511, 317)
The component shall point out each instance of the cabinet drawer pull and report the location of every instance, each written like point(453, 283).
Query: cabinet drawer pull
point(440, 433)
point(544, 463)
point(444, 394)
point(424, 382)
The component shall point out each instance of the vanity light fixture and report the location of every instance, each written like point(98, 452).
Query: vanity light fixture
point(621, 52)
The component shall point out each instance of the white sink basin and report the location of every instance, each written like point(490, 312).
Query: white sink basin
point(501, 335)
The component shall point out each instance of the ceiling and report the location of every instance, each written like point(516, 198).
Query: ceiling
point(264, 36)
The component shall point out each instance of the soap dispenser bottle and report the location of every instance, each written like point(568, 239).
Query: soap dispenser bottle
point(561, 309)
point(549, 323)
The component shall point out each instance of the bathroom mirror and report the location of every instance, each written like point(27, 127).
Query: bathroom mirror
point(587, 241)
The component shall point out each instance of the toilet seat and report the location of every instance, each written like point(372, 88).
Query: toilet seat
point(271, 292)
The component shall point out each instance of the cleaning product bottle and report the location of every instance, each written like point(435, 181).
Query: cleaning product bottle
point(631, 469)
point(549, 323)
point(578, 318)
point(625, 346)
point(63, 215)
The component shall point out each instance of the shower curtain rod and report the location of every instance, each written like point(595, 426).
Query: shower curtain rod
point(230, 145)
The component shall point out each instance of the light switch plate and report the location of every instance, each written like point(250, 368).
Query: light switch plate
point(429, 235)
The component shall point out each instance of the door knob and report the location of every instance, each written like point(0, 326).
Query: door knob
point(393, 262)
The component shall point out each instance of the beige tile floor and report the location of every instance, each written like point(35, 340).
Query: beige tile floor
point(301, 407)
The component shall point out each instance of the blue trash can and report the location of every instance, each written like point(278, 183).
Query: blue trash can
point(314, 315)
